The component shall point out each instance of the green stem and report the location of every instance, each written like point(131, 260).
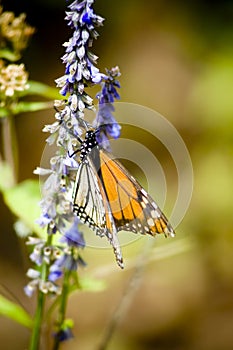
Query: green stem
point(35, 338)
point(10, 145)
point(63, 304)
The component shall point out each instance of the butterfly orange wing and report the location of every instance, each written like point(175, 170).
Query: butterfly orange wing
point(131, 206)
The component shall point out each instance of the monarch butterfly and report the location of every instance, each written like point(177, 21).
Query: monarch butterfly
point(109, 199)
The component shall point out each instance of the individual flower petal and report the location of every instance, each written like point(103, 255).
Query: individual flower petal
point(55, 273)
point(71, 162)
point(73, 237)
point(43, 220)
point(113, 130)
point(32, 273)
point(30, 288)
point(42, 171)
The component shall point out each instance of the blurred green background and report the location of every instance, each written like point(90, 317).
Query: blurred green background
point(176, 57)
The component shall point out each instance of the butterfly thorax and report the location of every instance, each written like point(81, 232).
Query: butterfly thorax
point(88, 144)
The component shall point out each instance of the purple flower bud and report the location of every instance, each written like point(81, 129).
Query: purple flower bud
point(64, 334)
point(73, 237)
point(54, 274)
point(113, 130)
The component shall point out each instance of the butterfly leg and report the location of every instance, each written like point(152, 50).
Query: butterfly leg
point(72, 154)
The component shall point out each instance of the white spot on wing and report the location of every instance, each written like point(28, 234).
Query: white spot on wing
point(155, 214)
point(169, 232)
point(144, 192)
point(143, 205)
point(150, 222)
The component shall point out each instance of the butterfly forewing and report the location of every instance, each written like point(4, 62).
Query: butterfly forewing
point(132, 207)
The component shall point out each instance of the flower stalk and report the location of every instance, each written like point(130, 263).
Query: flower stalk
point(62, 310)
point(57, 257)
point(63, 257)
point(14, 35)
point(36, 333)
point(10, 146)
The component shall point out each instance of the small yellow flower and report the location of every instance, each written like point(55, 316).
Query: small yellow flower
point(13, 78)
point(14, 30)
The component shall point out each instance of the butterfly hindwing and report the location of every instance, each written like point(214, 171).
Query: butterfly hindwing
point(91, 206)
point(88, 203)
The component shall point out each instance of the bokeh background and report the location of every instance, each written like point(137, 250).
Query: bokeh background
point(176, 57)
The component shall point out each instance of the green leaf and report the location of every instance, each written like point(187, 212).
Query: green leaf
point(23, 200)
point(6, 178)
point(9, 55)
point(91, 284)
point(37, 88)
point(15, 312)
point(22, 107)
